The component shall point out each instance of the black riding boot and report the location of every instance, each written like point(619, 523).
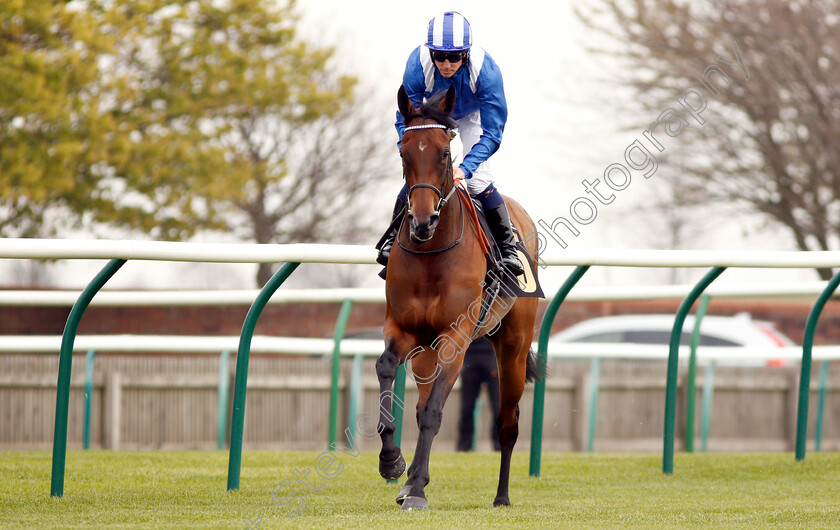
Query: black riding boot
point(388, 239)
point(499, 222)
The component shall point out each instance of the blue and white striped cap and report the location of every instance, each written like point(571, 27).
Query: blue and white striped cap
point(449, 32)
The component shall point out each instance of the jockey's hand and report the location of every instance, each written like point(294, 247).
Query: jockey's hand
point(458, 176)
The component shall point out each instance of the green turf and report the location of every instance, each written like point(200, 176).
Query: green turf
point(186, 489)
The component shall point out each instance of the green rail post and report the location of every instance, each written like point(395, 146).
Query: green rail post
point(224, 392)
point(65, 365)
point(673, 360)
point(91, 355)
point(237, 421)
point(594, 383)
point(691, 386)
point(476, 421)
point(708, 395)
point(355, 390)
point(397, 408)
point(340, 325)
point(542, 364)
point(820, 406)
point(398, 404)
point(805, 369)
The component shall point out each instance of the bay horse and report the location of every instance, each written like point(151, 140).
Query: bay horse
point(434, 278)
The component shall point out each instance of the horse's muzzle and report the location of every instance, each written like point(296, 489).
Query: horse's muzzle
point(422, 231)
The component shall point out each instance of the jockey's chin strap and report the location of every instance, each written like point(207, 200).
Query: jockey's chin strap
point(442, 199)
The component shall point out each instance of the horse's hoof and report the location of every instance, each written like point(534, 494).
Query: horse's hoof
point(392, 470)
point(501, 501)
point(404, 491)
point(415, 503)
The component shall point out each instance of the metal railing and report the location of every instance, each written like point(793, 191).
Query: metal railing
point(293, 255)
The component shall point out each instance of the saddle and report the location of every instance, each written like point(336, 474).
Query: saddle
point(523, 286)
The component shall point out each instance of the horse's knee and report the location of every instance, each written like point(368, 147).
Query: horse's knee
point(386, 365)
point(430, 419)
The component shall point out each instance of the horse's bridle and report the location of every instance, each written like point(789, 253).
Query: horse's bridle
point(442, 200)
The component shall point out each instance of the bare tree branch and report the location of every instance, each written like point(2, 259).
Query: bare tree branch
point(772, 143)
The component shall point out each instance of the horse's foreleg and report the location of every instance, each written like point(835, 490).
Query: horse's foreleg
point(391, 461)
point(429, 419)
point(424, 370)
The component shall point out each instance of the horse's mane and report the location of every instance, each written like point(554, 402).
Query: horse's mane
point(430, 110)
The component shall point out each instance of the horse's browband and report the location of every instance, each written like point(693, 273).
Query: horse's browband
point(426, 126)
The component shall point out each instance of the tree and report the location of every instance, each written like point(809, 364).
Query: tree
point(336, 162)
point(210, 115)
point(771, 71)
point(233, 80)
point(51, 130)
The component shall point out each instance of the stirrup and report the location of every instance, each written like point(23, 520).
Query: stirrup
point(513, 264)
point(387, 241)
point(385, 250)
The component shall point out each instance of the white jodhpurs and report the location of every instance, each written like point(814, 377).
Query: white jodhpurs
point(469, 129)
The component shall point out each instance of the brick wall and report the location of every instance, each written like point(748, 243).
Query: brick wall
point(302, 320)
point(318, 320)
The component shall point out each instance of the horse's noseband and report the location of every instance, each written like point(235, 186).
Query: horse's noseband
point(441, 199)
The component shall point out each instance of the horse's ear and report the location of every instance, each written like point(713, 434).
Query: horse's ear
point(403, 103)
point(448, 102)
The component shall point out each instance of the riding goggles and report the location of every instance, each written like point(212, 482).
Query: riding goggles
point(452, 57)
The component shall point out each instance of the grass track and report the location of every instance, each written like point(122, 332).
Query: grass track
point(186, 489)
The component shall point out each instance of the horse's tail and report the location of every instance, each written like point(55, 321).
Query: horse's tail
point(533, 371)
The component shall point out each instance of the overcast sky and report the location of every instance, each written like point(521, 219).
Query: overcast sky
point(562, 128)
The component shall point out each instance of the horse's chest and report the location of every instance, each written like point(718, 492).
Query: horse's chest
point(431, 312)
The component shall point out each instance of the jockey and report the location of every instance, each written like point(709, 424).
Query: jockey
point(449, 59)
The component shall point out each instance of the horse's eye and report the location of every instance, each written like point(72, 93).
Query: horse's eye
point(445, 154)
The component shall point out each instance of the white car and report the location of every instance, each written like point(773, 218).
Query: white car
point(733, 331)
